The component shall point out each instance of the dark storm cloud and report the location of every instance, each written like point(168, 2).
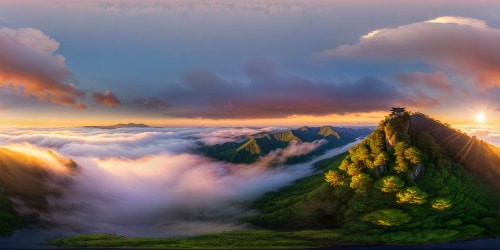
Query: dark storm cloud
point(107, 98)
point(266, 94)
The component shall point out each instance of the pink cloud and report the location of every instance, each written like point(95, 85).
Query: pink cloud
point(107, 98)
point(31, 68)
point(437, 80)
point(465, 46)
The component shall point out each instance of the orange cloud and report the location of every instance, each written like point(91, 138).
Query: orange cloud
point(30, 67)
point(107, 98)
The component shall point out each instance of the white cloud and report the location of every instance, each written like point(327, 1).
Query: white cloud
point(151, 182)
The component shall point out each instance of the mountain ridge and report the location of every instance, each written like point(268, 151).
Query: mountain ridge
point(399, 179)
point(261, 144)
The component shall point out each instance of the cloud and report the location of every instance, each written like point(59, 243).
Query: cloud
point(279, 156)
point(268, 95)
point(149, 182)
point(437, 80)
point(31, 174)
point(491, 135)
point(465, 46)
point(31, 68)
point(107, 98)
point(219, 136)
point(151, 103)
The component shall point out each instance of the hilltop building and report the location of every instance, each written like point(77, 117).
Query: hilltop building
point(397, 111)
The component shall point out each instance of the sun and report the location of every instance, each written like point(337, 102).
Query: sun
point(480, 117)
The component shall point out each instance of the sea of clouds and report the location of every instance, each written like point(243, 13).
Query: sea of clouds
point(488, 133)
point(152, 181)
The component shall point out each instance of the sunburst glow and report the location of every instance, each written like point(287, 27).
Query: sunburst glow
point(480, 117)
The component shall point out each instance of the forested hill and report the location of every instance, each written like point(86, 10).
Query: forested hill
point(308, 142)
point(405, 183)
point(480, 159)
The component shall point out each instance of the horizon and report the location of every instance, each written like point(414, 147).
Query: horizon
point(132, 62)
point(249, 124)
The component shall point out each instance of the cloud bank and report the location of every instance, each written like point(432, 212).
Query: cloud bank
point(151, 181)
point(464, 46)
point(267, 94)
point(30, 67)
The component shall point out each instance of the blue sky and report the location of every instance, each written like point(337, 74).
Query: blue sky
point(142, 51)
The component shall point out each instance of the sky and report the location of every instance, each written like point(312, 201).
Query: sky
point(247, 63)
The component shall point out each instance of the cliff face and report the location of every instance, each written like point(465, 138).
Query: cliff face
point(479, 158)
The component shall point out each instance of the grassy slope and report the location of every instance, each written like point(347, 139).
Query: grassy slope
point(311, 203)
point(283, 208)
point(263, 239)
point(272, 204)
point(9, 221)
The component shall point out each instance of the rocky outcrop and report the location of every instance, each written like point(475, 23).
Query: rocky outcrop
point(418, 169)
point(380, 170)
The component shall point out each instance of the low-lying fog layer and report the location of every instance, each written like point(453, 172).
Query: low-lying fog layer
point(151, 181)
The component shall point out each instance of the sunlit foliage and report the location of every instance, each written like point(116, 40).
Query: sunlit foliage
point(334, 178)
point(387, 217)
point(441, 203)
point(389, 184)
point(412, 195)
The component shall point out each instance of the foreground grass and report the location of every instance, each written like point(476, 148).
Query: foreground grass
point(265, 239)
point(9, 221)
point(252, 239)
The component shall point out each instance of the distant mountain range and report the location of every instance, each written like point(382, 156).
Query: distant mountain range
point(261, 144)
point(121, 125)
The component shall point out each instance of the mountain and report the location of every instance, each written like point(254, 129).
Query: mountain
point(480, 159)
point(315, 141)
point(121, 125)
point(28, 178)
point(413, 180)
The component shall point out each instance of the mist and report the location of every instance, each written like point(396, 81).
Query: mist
point(152, 181)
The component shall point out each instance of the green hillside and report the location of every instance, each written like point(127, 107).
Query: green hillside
point(401, 185)
point(258, 145)
point(399, 179)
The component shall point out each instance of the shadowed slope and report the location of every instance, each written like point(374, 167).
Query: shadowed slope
point(479, 158)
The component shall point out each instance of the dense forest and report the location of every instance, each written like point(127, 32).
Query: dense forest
point(399, 180)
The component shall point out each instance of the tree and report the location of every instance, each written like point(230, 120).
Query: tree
point(441, 203)
point(413, 155)
point(361, 182)
point(334, 178)
point(401, 162)
point(389, 184)
point(345, 163)
point(412, 195)
point(381, 159)
point(387, 217)
point(353, 169)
